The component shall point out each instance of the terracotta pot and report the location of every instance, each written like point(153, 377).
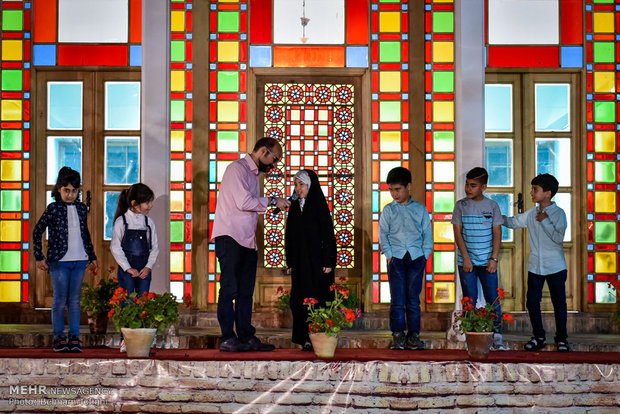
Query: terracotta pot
point(98, 324)
point(324, 345)
point(138, 341)
point(479, 344)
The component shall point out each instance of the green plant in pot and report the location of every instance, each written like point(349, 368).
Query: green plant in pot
point(95, 301)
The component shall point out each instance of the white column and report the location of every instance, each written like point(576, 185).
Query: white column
point(155, 147)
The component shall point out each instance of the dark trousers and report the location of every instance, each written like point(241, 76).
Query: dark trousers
point(405, 277)
point(557, 289)
point(237, 279)
point(489, 283)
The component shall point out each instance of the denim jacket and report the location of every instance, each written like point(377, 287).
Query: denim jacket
point(55, 219)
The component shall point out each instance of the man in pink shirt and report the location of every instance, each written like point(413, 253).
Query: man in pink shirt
point(234, 234)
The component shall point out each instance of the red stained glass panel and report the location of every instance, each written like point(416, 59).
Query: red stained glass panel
point(357, 21)
point(260, 21)
point(524, 56)
point(92, 55)
point(44, 21)
point(287, 56)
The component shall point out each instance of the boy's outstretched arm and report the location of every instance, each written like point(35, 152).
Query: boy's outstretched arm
point(460, 244)
point(516, 222)
point(497, 238)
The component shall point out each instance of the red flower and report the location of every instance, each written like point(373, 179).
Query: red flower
point(151, 295)
point(501, 292)
point(465, 300)
point(187, 299)
point(111, 313)
point(144, 314)
point(469, 306)
point(310, 301)
point(280, 289)
point(329, 322)
point(507, 317)
point(349, 315)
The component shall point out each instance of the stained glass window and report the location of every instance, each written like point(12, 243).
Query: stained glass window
point(315, 125)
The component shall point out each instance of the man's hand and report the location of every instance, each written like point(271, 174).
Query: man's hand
point(541, 216)
point(468, 266)
point(282, 203)
point(491, 266)
point(327, 269)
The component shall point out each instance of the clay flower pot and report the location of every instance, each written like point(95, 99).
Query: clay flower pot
point(324, 345)
point(479, 344)
point(138, 341)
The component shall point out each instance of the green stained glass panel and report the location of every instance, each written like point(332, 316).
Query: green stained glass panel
point(9, 261)
point(443, 82)
point(227, 81)
point(322, 131)
point(389, 1)
point(604, 171)
point(443, 201)
point(605, 232)
point(443, 22)
point(12, 80)
point(603, 52)
point(228, 22)
point(12, 20)
point(443, 141)
point(389, 111)
point(443, 262)
point(604, 112)
point(228, 141)
point(177, 51)
point(603, 1)
point(10, 200)
point(389, 51)
point(176, 232)
point(11, 140)
point(177, 111)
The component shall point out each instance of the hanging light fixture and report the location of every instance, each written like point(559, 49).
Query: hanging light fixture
point(304, 22)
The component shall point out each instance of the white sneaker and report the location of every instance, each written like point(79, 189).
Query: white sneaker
point(498, 344)
point(123, 348)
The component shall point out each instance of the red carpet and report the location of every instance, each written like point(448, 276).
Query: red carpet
point(342, 354)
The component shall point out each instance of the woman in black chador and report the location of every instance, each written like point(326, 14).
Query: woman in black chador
point(310, 252)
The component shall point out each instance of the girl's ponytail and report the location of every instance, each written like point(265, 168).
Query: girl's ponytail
point(123, 204)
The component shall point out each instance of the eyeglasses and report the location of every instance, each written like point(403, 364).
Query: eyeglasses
point(275, 159)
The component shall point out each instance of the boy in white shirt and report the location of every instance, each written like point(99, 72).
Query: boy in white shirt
point(546, 223)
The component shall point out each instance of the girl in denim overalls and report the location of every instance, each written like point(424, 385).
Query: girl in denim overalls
point(134, 239)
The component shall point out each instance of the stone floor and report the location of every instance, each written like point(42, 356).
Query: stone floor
point(22, 335)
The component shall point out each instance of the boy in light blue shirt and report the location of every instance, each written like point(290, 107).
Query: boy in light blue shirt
point(546, 224)
point(406, 240)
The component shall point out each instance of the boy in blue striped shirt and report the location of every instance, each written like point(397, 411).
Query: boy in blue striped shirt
point(477, 225)
point(406, 240)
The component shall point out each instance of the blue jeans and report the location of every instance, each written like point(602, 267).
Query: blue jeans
point(237, 279)
point(557, 290)
point(133, 284)
point(405, 277)
point(469, 285)
point(67, 280)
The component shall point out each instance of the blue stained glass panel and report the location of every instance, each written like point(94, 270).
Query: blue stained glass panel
point(63, 151)
point(498, 108)
point(64, 105)
point(498, 161)
point(122, 106)
point(122, 160)
point(110, 200)
point(552, 106)
point(553, 157)
point(505, 201)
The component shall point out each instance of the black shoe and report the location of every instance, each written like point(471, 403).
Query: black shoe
point(74, 344)
point(535, 344)
point(234, 345)
point(256, 345)
point(307, 347)
point(60, 344)
point(414, 343)
point(398, 340)
point(562, 346)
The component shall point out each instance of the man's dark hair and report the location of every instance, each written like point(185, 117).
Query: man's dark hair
point(268, 143)
point(547, 182)
point(479, 174)
point(399, 175)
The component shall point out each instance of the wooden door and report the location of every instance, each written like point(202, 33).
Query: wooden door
point(89, 121)
point(533, 126)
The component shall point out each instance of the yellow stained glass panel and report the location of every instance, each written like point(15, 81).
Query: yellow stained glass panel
point(12, 50)
point(385, 167)
point(177, 21)
point(295, 115)
point(389, 81)
point(227, 111)
point(604, 141)
point(443, 292)
point(390, 141)
point(11, 170)
point(228, 51)
point(177, 80)
point(323, 115)
point(389, 22)
point(605, 82)
point(443, 52)
point(221, 168)
point(603, 22)
point(308, 130)
point(177, 140)
point(604, 202)
point(11, 110)
point(443, 111)
point(385, 198)
point(443, 171)
point(10, 291)
point(442, 232)
point(605, 262)
point(176, 262)
point(177, 201)
point(10, 231)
